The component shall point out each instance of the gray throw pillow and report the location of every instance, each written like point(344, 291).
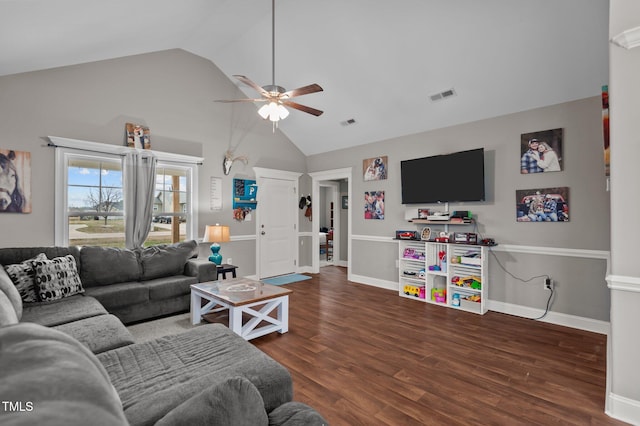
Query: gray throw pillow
point(22, 274)
point(57, 278)
point(235, 401)
point(166, 260)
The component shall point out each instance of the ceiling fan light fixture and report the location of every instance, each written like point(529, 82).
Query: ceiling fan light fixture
point(273, 111)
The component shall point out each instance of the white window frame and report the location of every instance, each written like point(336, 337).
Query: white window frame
point(66, 148)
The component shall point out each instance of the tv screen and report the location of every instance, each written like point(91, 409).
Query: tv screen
point(444, 178)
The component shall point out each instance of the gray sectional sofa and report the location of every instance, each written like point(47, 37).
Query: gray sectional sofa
point(71, 361)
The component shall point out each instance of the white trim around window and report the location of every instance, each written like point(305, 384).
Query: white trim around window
point(66, 148)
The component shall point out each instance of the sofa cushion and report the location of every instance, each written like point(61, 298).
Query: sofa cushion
point(22, 274)
point(7, 311)
point(296, 414)
point(154, 377)
point(166, 260)
point(62, 311)
point(100, 333)
point(107, 265)
point(9, 289)
point(235, 401)
point(57, 278)
point(117, 295)
point(61, 380)
point(168, 287)
point(13, 255)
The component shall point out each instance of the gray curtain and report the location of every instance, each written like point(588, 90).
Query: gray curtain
point(139, 184)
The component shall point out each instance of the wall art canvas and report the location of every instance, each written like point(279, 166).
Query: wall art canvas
point(15, 181)
point(374, 168)
point(374, 205)
point(542, 205)
point(541, 151)
point(138, 136)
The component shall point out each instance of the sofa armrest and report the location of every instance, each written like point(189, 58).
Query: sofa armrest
point(201, 268)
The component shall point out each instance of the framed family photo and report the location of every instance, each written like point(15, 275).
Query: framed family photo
point(542, 205)
point(541, 151)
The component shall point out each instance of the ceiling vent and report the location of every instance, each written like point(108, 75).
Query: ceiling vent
point(443, 95)
point(348, 122)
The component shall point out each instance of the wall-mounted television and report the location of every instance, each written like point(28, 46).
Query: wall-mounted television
point(452, 177)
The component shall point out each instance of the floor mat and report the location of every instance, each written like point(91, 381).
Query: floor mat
point(285, 279)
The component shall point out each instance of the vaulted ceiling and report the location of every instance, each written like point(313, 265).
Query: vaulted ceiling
point(378, 61)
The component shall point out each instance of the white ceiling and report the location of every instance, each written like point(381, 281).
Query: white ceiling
point(378, 61)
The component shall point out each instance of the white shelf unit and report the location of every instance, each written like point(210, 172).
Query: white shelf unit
point(421, 266)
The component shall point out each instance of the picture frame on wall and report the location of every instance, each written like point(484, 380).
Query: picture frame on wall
point(541, 151)
point(138, 136)
point(345, 201)
point(374, 168)
point(15, 181)
point(374, 205)
point(542, 205)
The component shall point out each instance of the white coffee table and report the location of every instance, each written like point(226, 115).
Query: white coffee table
point(243, 296)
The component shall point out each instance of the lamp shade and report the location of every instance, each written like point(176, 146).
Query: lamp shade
point(216, 234)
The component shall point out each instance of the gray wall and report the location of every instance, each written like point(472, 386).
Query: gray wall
point(581, 284)
point(172, 92)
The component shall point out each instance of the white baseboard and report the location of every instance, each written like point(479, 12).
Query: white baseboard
point(305, 270)
point(624, 409)
point(581, 323)
point(375, 282)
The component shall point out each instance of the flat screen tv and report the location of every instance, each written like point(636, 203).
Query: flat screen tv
point(444, 178)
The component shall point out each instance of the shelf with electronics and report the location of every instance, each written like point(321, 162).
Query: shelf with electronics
point(447, 269)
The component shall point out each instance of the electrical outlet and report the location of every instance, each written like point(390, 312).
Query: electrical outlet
point(548, 283)
point(230, 261)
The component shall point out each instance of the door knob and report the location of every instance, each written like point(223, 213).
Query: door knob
point(262, 232)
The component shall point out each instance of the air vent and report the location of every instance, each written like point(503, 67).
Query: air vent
point(443, 95)
point(348, 122)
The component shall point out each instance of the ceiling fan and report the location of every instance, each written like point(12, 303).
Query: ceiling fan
point(276, 97)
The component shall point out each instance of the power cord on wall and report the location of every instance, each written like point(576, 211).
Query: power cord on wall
point(551, 292)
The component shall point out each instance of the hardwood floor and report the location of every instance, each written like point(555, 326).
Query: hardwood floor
point(365, 356)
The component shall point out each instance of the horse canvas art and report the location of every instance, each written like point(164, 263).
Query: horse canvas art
point(15, 181)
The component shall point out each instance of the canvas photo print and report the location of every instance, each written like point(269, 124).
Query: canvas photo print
point(542, 205)
point(541, 152)
point(15, 181)
point(138, 136)
point(375, 168)
point(374, 205)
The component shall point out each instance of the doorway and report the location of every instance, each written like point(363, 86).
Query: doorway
point(327, 178)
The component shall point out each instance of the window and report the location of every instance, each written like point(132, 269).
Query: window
point(94, 201)
point(90, 199)
point(170, 205)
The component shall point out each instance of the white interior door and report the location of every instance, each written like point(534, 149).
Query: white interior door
point(277, 227)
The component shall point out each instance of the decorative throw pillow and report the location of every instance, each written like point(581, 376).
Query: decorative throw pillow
point(22, 275)
point(57, 278)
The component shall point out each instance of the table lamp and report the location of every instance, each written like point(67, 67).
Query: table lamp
point(216, 234)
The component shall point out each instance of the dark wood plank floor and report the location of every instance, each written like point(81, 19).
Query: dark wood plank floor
point(365, 356)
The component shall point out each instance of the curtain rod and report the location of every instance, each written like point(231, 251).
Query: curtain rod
point(119, 151)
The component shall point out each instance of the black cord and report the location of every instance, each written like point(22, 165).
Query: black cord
point(548, 305)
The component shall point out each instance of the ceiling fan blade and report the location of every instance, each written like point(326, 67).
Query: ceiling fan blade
point(303, 108)
point(250, 83)
point(306, 90)
point(241, 100)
